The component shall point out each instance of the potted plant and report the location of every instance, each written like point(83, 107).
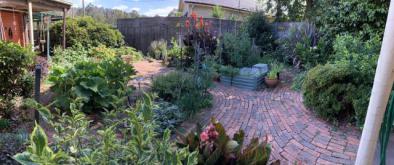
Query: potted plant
point(272, 78)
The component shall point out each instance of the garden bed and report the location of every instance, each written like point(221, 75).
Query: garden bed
point(248, 78)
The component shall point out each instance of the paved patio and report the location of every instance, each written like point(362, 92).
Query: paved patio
point(294, 132)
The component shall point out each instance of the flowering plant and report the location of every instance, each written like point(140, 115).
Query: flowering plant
point(199, 37)
point(216, 147)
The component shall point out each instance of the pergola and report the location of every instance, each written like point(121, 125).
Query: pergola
point(30, 6)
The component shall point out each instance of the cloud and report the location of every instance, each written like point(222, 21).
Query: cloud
point(160, 11)
point(121, 7)
point(78, 3)
point(135, 8)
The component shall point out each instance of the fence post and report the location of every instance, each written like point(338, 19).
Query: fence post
point(37, 86)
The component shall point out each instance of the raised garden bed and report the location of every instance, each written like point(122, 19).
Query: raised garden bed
point(248, 78)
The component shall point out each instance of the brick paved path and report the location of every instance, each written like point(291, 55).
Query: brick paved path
point(294, 132)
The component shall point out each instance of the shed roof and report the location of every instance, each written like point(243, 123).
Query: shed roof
point(38, 5)
point(234, 4)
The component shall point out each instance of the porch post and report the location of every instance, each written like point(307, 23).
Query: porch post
point(31, 32)
point(64, 28)
point(381, 90)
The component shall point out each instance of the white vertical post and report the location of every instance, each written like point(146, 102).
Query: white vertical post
point(48, 37)
point(380, 94)
point(31, 32)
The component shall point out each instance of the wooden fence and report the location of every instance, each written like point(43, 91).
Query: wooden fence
point(140, 32)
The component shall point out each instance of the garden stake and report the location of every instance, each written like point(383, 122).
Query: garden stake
point(37, 90)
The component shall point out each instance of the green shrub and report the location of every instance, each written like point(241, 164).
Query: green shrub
point(237, 50)
point(342, 89)
point(257, 27)
point(15, 79)
point(87, 32)
point(98, 84)
point(228, 71)
point(130, 140)
point(129, 51)
point(70, 56)
point(186, 90)
point(15, 62)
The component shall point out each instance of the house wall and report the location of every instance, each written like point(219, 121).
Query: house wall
point(13, 26)
point(206, 11)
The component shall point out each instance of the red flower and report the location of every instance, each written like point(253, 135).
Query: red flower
point(201, 22)
point(187, 23)
point(194, 16)
point(204, 136)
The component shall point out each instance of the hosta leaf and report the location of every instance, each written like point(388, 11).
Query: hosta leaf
point(39, 140)
point(24, 158)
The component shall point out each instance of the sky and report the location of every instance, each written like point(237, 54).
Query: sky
point(145, 7)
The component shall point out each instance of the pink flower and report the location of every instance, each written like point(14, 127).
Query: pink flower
point(204, 136)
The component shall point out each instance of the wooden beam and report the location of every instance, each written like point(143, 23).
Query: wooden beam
point(383, 83)
point(31, 34)
point(64, 27)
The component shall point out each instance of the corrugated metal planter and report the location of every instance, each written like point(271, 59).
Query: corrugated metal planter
point(251, 83)
point(247, 82)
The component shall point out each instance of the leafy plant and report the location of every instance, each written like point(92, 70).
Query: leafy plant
point(87, 32)
point(130, 140)
point(216, 147)
point(188, 91)
point(102, 52)
point(275, 69)
point(15, 79)
point(237, 49)
point(341, 90)
point(167, 116)
point(100, 85)
point(158, 49)
point(228, 71)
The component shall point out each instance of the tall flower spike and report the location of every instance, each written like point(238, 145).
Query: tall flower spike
point(194, 16)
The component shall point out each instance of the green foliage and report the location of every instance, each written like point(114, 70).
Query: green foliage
point(217, 12)
point(228, 71)
point(15, 61)
point(158, 49)
point(275, 69)
point(188, 91)
point(298, 81)
point(129, 52)
point(4, 123)
point(364, 17)
point(167, 116)
point(70, 56)
point(130, 140)
point(216, 147)
point(237, 49)
point(11, 144)
point(102, 52)
point(39, 152)
point(258, 28)
point(15, 79)
point(99, 84)
point(298, 48)
point(87, 32)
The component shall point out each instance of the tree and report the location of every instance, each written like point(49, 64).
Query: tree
point(217, 12)
point(105, 15)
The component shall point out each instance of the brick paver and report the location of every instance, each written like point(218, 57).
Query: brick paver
point(294, 132)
